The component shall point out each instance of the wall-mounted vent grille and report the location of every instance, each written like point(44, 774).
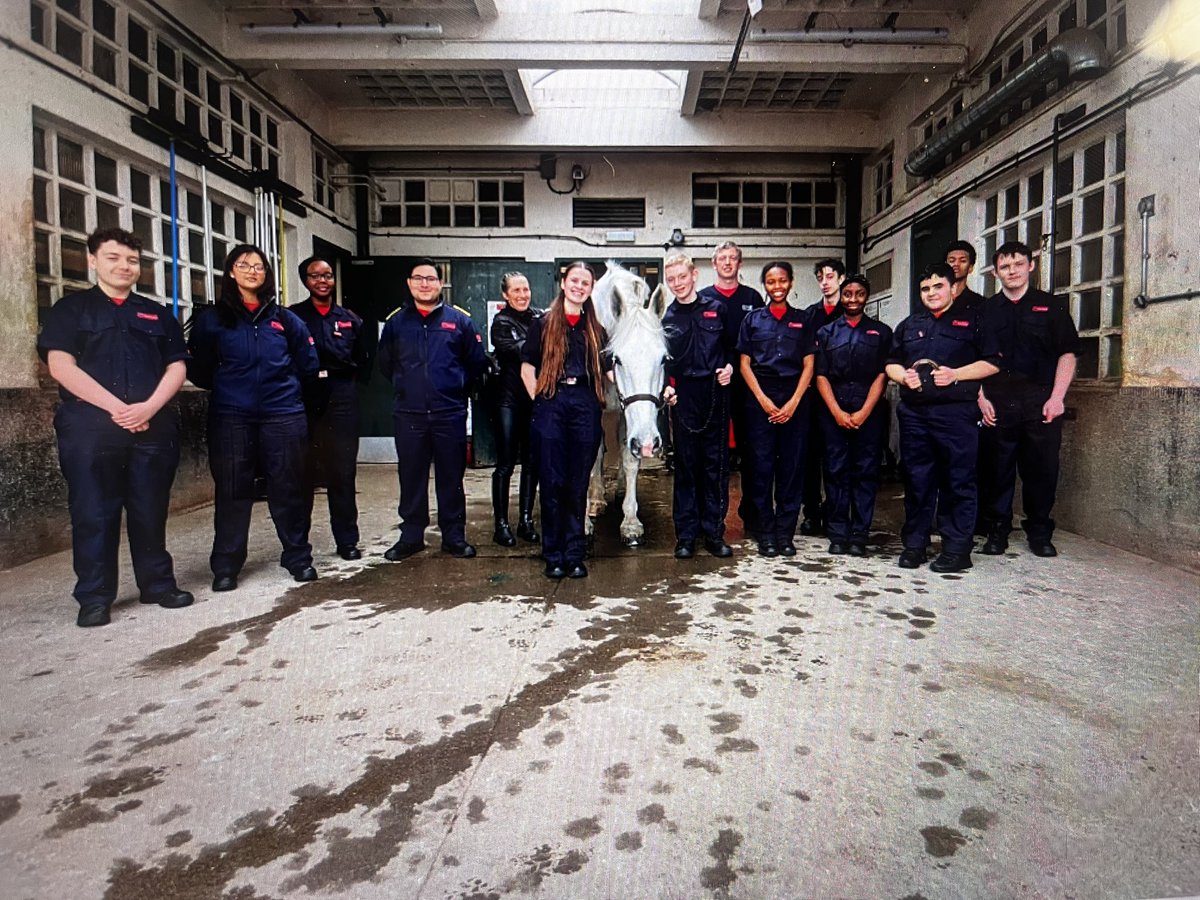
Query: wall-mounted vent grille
point(609, 213)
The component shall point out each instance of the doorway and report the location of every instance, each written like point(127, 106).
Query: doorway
point(928, 245)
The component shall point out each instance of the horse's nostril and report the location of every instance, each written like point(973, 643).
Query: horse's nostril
point(633, 446)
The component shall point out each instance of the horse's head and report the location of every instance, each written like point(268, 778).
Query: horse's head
point(632, 316)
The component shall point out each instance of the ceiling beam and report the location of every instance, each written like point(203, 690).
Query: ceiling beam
point(486, 9)
point(518, 86)
point(340, 53)
point(618, 128)
point(708, 9)
point(691, 92)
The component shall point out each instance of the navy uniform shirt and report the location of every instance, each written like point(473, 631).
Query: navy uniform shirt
point(257, 364)
point(952, 339)
point(743, 302)
point(509, 332)
point(852, 357)
point(699, 338)
point(575, 365)
point(1031, 333)
point(432, 361)
point(818, 318)
point(776, 347)
point(125, 348)
point(338, 338)
point(969, 300)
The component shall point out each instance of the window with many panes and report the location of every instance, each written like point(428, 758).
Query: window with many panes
point(452, 202)
point(1105, 17)
point(1089, 244)
point(326, 193)
point(782, 203)
point(151, 68)
point(881, 182)
point(80, 184)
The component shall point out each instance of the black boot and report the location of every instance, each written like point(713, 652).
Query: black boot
point(503, 534)
point(526, 530)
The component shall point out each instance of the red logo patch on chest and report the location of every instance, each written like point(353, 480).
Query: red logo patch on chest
point(343, 325)
point(153, 317)
point(277, 325)
point(872, 331)
point(795, 324)
point(710, 314)
point(450, 326)
point(959, 323)
point(1032, 309)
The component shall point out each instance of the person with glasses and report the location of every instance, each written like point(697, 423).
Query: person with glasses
point(513, 409)
point(331, 401)
point(118, 358)
point(255, 357)
point(433, 356)
point(562, 368)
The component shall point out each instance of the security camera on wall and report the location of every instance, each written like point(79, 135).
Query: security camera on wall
point(577, 173)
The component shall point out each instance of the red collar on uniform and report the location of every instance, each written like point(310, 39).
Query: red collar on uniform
point(572, 320)
point(779, 312)
point(726, 292)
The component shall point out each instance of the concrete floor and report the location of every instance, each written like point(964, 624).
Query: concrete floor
point(816, 727)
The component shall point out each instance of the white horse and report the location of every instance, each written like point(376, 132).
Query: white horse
point(632, 316)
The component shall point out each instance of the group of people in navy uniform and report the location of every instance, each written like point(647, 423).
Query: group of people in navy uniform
point(800, 390)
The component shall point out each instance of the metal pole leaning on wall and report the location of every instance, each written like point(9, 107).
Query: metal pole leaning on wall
point(174, 238)
point(280, 270)
point(208, 232)
point(1145, 209)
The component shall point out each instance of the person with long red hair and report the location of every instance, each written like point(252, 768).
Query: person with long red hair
point(563, 370)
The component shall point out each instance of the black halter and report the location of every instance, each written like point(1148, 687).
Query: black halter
point(658, 401)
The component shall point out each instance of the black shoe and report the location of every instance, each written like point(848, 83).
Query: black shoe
point(577, 570)
point(685, 549)
point(838, 548)
point(809, 527)
point(912, 558)
point(1043, 549)
point(553, 570)
point(224, 583)
point(460, 551)
point(402, 550)
point(174, 599)
point(856, 549)
point(503, 535)
point(92, 616)
point(304, 573)
point(787, 548)
point(349, 553)
point(527, 532)
point(718, 548)
point(951, 562)
point(767, 549)
point(995, 545)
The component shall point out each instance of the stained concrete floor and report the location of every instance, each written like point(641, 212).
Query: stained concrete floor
point(815, 727)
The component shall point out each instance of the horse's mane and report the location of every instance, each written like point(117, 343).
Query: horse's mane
point(635, 317)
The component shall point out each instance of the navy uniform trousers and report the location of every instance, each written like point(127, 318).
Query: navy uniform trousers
point(239, 448)
point(109, 469)
point(700, 418)
point(333, 455)
point(776, 456)
point(565, 436)
point(852, 462)
point(1020, 442)
point(439, 438)
point(939, 443)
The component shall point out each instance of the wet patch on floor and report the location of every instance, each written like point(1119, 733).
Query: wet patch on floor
point(941, 841)
point(81, 809)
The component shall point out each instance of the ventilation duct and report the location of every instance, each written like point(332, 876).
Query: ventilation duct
point(1078, 53)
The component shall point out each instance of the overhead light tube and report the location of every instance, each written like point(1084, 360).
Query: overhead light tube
point(306, 28)
point(852, 36)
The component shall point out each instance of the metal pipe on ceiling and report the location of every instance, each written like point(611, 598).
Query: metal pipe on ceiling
point(1077, 54)
point(852, 36)
point(301, 28)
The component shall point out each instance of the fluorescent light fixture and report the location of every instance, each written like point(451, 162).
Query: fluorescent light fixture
point(852, 36)
point(620, 237)
point(305, 28)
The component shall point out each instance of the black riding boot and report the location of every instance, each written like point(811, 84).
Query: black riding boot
point(526, 492)
point(503, 534)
